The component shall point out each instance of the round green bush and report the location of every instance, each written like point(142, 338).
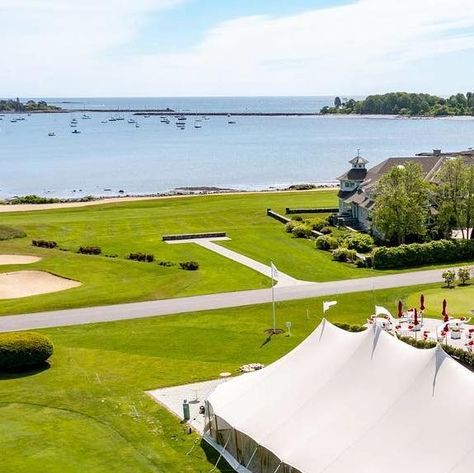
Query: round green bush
point(360, 242)
point(326, 243)
point(344, 255)
point(301, 231)
point(23, 350)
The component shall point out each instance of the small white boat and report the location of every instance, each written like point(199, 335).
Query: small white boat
point(231, 122)
point(51, 133)
point(131, 120)
point(86, 117)
point(75, 132)
point(137, 125)
point(103, 121)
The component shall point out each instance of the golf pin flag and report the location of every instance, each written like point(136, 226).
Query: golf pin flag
point(275, 274)
point(327, 305)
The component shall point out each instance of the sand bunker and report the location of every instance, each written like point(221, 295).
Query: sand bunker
point(18, 259)
point(30, 283)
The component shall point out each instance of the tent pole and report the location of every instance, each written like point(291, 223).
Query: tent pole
point(273, 301)
point(277, 468)
point(251, 458)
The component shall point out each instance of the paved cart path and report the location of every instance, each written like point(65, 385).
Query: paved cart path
point(137, 310)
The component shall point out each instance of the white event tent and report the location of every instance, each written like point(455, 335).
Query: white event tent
point(348, 402)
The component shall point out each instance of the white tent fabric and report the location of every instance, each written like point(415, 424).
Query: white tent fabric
point(359, 402)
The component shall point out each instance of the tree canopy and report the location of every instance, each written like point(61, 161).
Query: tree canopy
point(9, 105)
point(403, 103)
point(401, 206)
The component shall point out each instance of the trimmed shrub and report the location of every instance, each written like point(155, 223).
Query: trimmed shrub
point(301, 231)
point(344, 255)
point(350, 328)
point(90, 250)
point(360, 242)
point(417, 254)
point(143, 257)
point(23, 350)
point(326, 243)
point(297, 218)
point(317, 223)
point(289, 226)
point(8, 233)
point(44, 243)
point(189, 265)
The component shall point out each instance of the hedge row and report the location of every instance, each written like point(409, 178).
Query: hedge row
point(44, 243)
point(23, 350)
point(90, 250)
point(144, 257)
point(463, 356)
point(417, 254)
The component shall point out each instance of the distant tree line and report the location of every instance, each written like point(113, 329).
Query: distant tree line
point(9, 105)
point(403, 103)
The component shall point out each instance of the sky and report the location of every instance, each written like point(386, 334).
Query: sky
point(88, 48)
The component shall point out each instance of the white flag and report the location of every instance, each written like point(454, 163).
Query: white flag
point(327, 305)
point(275, 273)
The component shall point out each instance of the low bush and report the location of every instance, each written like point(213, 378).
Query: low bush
point(44, 243)
point(464, 275)
point(360, 242)
point(317, 223)
point(297, 218)
point(143, 257)
point(90, 250)
point(301, 231)
point(417, 254)
point(344, 255)
point(33, 199)
point(8, 233)
point(23, 350)
point(326, 230)
point(289, 226)
point(189, 265)
point(463, 356)
point(326, 243)
point(166, 264)
point(350, 328)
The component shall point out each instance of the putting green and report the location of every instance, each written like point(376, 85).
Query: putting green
point(460, 301)
point(56, 440)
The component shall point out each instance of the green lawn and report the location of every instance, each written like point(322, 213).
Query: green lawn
point(88, 411)
point(138, 226)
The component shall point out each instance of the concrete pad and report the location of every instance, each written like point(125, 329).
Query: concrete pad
point(31, 283)
point(172, 398)
point(18, 259)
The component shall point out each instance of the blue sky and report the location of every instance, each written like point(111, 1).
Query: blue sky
point(235, 47)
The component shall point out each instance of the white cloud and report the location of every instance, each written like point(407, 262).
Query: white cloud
point(366, 46)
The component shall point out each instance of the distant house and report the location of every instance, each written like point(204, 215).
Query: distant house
point(357, 185)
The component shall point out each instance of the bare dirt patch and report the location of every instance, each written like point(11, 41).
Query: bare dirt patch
point(30, 283)
point(18, 259)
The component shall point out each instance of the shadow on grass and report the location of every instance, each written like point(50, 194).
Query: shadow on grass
point(24, 372)
point(212, 456)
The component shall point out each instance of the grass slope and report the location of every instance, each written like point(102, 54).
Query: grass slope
point(89, 412)
point(138, 226)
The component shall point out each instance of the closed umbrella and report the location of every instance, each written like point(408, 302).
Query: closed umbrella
point(422, 306)
point(400, 309)
point(415, 318)
point(444, 313)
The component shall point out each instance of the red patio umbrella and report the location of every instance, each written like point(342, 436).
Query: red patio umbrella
point(400, 309)
point(444, 313)
point(422, 302)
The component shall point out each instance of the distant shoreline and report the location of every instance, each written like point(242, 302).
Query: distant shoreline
point(72, 203)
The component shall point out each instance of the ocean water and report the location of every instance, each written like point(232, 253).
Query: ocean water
point(254, 153)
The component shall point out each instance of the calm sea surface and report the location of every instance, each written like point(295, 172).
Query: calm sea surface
point(253, 153)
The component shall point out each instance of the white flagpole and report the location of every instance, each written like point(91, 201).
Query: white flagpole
point(273, 299)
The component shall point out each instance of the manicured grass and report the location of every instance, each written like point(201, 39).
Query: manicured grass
point(460, 301)
point(138, 227)
point(88, 411)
